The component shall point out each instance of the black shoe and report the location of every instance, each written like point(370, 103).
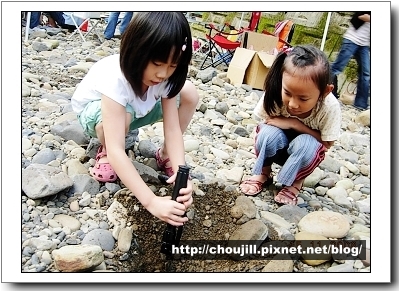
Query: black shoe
point(335, 90)
point(360, 108)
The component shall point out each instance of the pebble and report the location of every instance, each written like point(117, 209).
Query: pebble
point(57, 222)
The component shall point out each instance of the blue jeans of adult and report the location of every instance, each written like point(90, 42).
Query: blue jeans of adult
point(362, 57)
point(34, 19)
point(57, 16)
point(113, 22)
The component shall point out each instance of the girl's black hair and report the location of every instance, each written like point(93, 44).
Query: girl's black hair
point(152, 36)
point(299, 57)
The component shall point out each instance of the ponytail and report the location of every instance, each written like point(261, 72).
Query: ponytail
point(273, 85)
point(301, 56)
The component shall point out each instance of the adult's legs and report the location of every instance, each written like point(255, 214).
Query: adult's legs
point(346, 51)
point(362, 57)
point(125, 21)
point(34, 19)
point(57, 17)
point(111, 25)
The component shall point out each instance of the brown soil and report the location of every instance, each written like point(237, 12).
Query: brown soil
point(145, 256)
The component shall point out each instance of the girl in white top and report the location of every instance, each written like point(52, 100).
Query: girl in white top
point(139, 87)
point(301, 119)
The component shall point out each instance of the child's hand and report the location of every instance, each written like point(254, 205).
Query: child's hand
point(185, 196)
point(168, 210)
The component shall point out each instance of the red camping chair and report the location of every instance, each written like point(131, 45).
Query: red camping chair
point(284, 31)
point(221, 45)
point(254, 21)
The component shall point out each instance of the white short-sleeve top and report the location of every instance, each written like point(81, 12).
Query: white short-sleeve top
point(106, 78)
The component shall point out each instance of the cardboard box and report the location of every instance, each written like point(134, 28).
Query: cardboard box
point(259, 41)
point(249, 67)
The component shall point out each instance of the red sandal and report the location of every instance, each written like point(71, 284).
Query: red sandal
point(162, 164)
point(290, 197)
point(103, 172)
point(257, 184)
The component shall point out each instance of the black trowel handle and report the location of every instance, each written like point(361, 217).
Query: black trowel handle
point(181, 180)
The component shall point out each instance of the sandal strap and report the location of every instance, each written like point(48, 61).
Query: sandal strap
point(161, 163)
point(298, 189)
point(254, 183)
point(101, 152)
point(287, 193)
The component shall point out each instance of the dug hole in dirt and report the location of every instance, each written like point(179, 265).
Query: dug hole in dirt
point(210, 221)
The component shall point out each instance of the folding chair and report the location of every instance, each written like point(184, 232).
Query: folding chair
point(91, 18)
point(200, 48)
point(221, 45)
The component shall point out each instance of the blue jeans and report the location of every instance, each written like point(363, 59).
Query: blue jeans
point(298, 154)
point(34, 19)
point(113, 22)
point(57, 16)
point(362, 57)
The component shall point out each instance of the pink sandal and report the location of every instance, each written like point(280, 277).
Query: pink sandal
point(103, 172)
point(259, 186)
point(162, 164)
point(290, 197)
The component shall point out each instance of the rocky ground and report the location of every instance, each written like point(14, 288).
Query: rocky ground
point(71, 222)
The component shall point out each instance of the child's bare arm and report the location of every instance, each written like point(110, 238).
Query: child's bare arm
point(303, 128)
point(175, 146)
point(294, 123)
point(114, 119)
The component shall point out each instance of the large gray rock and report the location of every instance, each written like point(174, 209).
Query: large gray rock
point(41, 180)
point(100, 237)
point(253, 232)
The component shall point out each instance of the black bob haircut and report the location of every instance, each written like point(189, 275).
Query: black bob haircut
point(152, 36)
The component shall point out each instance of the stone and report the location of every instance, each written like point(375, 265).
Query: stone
point(279, 264)
point(308, 241)
point(41, 180)
point(125, 239)
point(77, 258)
point(326, 223)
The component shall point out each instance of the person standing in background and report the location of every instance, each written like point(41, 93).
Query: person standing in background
point(113, 22)
point(356, 42)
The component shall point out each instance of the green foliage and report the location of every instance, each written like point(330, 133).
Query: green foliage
point(268, 23)
point(205, 16)
point(351, 70)
point(230, 16)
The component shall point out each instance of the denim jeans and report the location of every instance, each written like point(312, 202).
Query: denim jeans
point(113, 22)
point(362, 57)
point(58, 18)
point(34, 19)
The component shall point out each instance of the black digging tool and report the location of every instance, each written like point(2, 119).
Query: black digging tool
point(171, 235)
